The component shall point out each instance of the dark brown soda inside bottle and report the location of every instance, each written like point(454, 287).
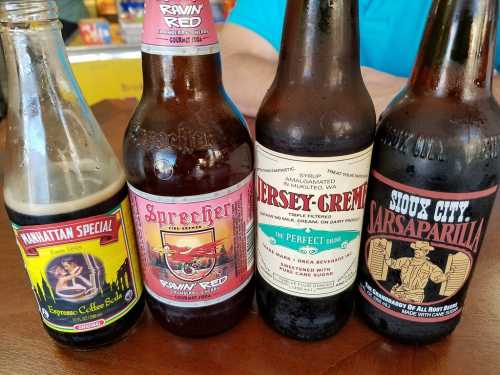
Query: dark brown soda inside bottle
point(186, 140)
point(317, 114)
point(434, 179)
point(64, 190)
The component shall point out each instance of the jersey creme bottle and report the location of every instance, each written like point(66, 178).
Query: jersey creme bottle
point(314, 143)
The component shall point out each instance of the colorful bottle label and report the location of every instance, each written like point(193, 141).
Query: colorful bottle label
point(420, 248)
point(179, 28)
point(85, 273)
point(310, 215)
point(196, 251)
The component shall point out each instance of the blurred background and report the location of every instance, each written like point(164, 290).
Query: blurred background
point(103, 39)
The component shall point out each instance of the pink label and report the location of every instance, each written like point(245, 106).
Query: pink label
point(179, 23)
point(196, 251)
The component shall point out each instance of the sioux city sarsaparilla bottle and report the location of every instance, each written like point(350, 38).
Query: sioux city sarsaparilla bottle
point(65, 191)
point(189, 162)
point(314, 141)
point(434, 179)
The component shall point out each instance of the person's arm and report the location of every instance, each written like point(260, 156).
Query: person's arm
point(249, 65)
point(496, 86)
point(382, 87)
point(250, 62)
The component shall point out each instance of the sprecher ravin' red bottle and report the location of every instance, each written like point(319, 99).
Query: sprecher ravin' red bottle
point(189, 163)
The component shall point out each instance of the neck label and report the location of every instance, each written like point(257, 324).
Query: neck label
point(179, 28)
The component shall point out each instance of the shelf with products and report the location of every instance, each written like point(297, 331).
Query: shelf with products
point(105, 53)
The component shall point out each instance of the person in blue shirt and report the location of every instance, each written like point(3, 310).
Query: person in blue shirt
point(390, 34)
point(70, 13)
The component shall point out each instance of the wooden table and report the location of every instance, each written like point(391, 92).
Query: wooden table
point(251, 347)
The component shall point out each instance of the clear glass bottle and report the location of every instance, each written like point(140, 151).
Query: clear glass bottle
point(64, 189)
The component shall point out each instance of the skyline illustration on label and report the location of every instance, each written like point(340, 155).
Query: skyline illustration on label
point(196, 251)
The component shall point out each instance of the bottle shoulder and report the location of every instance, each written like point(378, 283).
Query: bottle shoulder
point(173, 115)
point(58, 165)
point(445, 117)
point(309, 123)
point(446, 145)
point(182, 153)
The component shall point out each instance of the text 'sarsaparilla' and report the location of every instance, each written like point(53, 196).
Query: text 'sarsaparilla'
point(434, 179)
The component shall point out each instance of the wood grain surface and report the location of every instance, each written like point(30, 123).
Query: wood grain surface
point(251, 347)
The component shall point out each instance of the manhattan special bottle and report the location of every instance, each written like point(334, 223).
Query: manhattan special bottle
point(190, 169)
point(314, 142)
point(434, 179)
point(64, 189)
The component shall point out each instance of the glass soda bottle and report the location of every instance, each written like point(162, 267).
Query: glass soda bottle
point(65, 191)
point(434, 179)
point(315, 133)
point(189, 163)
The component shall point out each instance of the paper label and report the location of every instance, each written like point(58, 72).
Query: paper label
point(196, 251)
point(310, 214)
point(179, 28)
point(420, 248)
point(85, 273)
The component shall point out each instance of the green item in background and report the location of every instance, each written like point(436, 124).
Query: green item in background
point(72, 10)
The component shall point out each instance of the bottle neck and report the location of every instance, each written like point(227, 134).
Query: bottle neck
point(457, 52)
point(180, 50)
point(320, 43)
point(38, 68)
point(183, 77)
point(55, 150)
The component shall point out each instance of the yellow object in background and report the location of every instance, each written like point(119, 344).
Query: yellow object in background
point(106, 7)
point(91, 7)
point(111, 72)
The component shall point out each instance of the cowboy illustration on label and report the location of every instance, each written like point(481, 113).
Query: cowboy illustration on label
point(418, 271)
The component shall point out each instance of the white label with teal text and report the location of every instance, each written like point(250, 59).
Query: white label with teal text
point(310, 214)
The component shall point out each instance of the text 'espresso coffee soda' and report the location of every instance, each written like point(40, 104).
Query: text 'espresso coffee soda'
point(189, 161)
point(314, 142)
point(65, 191)
point(434, 179)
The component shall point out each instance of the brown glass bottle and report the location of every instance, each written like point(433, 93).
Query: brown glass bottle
point(434, 179)
point(186, 140)
point(317, 115)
